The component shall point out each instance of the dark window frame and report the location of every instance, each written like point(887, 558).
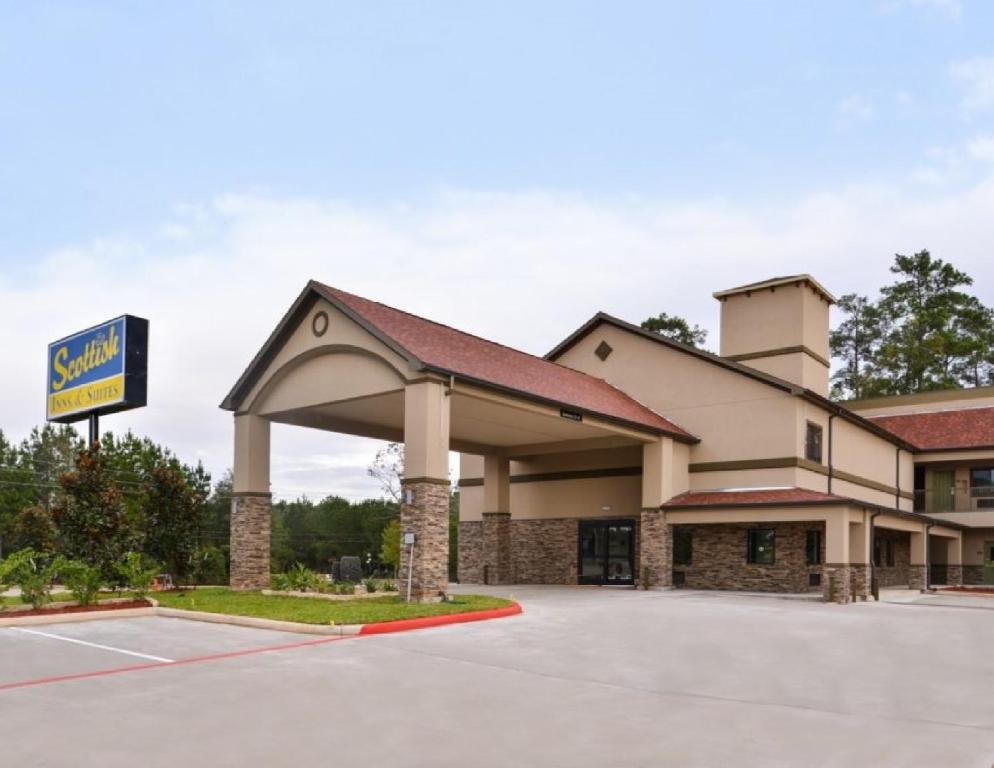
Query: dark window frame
point(989, 482)
point(752, 546)
point(816, 535)
point(688, 538)
point(814, 442)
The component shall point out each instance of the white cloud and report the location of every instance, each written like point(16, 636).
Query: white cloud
point(521, 268)
point(976, 77)
point(982, 148)
point(855, 109)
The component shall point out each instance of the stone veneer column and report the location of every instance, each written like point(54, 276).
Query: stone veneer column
point(497, 547)
point(426, 515)
point(837, 583)
point(251, 523)
point(655, 550)
point(954, 575)
point(916, 576)
point(859, 581)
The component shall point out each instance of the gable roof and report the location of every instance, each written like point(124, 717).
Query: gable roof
point(434, 347)
point(947, 430)
point(731, 365)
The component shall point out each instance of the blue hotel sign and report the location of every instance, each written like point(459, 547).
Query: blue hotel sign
point(103, 369)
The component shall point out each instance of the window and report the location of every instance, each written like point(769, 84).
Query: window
point(683, 546)
point(982, 480)
point(761, 546)
point(883, 552)
point(812, 547)
point(812, 443)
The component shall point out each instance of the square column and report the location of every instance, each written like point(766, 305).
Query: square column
point(251, 505)
point(655, 534)
point(954, 562)
point(918, 570)
point(496, 520)
point(859, 558)
point(424, 509)
point(836, 578)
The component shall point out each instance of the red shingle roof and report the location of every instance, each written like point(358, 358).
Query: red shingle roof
point(759, 497)
point(443, 348)
point(943, 430)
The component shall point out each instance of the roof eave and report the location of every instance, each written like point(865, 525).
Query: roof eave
point(679, 436)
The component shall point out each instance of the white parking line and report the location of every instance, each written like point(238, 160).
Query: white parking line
point(93, 645)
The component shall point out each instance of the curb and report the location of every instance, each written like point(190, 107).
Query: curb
point(72, 618)
point(257, 623)
point(339, 630)
point(406, 625)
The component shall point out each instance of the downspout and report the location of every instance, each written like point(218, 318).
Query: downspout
point(928, 558)
point(831, 418)
point(897, 480)
point(874, 587)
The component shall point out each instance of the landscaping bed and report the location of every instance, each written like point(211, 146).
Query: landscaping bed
point(317, 610)
point(56, 608)
point(978, 590)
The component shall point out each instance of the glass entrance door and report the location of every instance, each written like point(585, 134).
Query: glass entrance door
point(607, 552)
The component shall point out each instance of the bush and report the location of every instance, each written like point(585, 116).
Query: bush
point(84, 581)
point(209, 566)
point(138, 572)
point(300, 578)
point(351, 568)
point(33, 573)
point(344, 587)
point(370, 585)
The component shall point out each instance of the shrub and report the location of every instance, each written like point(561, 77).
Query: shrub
point(389, 585)
point(344, 588)
point(32, 572)
point(351, 568)
point(33, 528)
point(91, 517)
point(279, 582)
point(138, 572)
point(300, 578)
point(370, 585)
point(209, 566)
point(84, 581)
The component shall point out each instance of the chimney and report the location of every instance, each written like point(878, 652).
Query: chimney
point(779, 326)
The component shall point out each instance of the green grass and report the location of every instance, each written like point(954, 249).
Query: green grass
point(313, 610)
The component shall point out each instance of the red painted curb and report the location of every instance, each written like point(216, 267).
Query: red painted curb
point(403, 625)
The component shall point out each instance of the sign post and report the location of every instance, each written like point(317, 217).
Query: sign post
point(103, 369)
point(409, 541)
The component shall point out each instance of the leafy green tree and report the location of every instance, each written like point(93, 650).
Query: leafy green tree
point(390, 546)
point(388, 469)
point(927, 336)
point(676, 328)
point(34, 528)
point(926, 332)
point(172, 510)
point(856, 341)
point(91, 518)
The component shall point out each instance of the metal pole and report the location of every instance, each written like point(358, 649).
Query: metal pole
point(94, 430)
point(410, 570)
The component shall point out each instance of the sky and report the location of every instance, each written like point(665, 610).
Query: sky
point(507, 168)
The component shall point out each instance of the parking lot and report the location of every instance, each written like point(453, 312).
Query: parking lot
point(585, 676)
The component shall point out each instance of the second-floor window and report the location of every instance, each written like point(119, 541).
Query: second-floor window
point(982, 481)
point(812, 444)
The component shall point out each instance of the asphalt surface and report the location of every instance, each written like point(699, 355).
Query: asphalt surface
point(585, 677)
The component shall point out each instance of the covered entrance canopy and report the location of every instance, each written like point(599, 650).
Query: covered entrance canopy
point(342, 363)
